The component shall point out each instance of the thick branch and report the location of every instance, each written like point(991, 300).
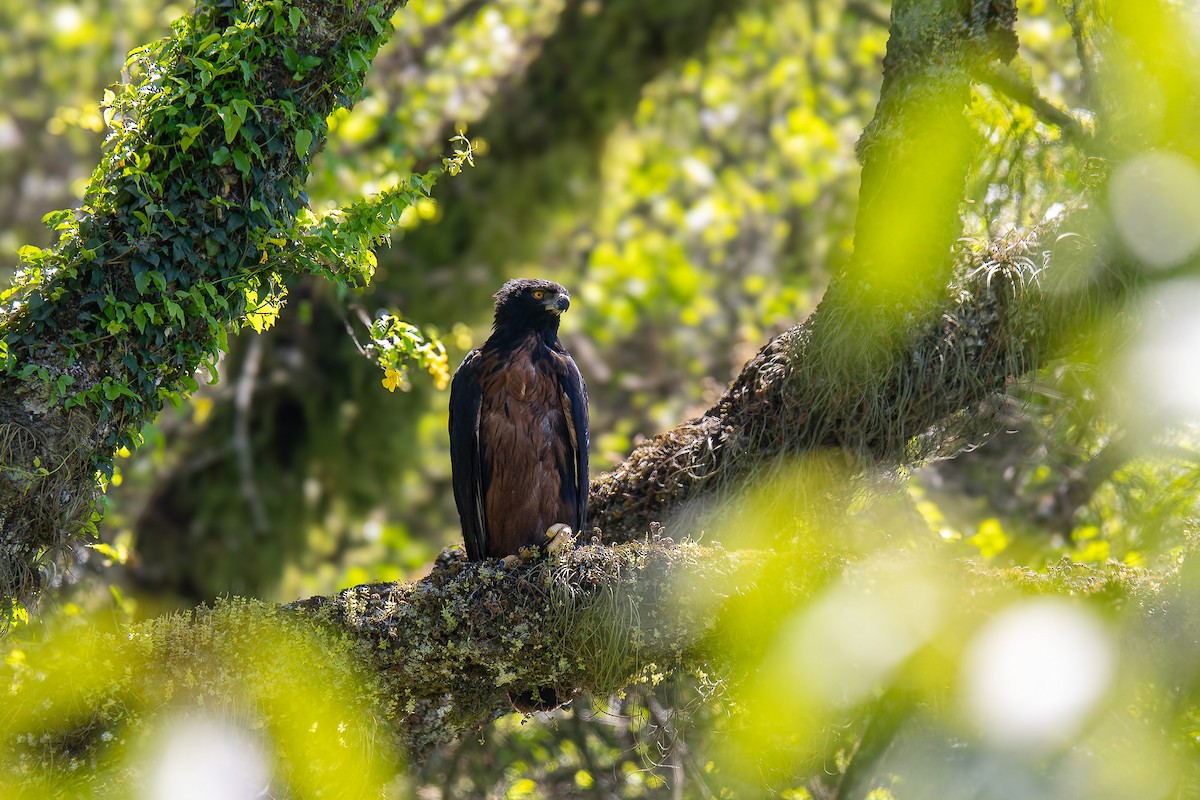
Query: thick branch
point(423, 663)
point(464, 644)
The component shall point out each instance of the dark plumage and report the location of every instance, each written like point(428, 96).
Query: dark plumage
point(519, 427)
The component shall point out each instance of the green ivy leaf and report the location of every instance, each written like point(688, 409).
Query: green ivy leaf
point(141, 279)
point(174, 311)
point(241, 161)
point(207, 42)
point(188, 135)
point(57, 220)
point(233, 124)
point(303, 142)
point(240, 107)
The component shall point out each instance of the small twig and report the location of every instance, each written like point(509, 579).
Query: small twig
point(363, 317)
point(1008, 82)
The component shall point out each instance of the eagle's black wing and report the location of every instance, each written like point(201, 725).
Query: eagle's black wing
point(465, 457)
point(575, 391)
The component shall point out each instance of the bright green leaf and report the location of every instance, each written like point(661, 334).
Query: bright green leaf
point(304, 139)
point(233, 124)
point(241, 161)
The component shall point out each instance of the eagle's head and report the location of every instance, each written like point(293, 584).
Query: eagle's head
point(528, 303)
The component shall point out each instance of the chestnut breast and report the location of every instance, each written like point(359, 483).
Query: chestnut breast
point(526, 447)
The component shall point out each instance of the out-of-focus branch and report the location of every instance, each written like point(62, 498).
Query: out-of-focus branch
point(870, 11)
point(1005, 80)
point(243, 399)
point(437, 34)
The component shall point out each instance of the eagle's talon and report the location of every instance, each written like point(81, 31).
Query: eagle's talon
point(559, 537)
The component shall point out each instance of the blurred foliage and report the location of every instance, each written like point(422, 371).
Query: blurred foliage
point(63, 55)
point(695, 193)
point(96, 712)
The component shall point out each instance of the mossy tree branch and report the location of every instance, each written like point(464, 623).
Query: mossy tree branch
point(416, 665)
point(460, 646)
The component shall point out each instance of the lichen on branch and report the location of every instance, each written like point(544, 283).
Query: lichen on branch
point(457, 647)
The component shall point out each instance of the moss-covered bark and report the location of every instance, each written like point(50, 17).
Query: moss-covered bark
point(345, 689)
point(472, 639)
point(928, 399)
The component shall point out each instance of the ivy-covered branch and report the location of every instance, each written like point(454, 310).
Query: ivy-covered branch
point(196, 206)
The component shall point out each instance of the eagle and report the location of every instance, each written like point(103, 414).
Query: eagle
point(519, 428)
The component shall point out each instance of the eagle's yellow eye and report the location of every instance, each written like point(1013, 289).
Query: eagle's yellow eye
point(539, 294)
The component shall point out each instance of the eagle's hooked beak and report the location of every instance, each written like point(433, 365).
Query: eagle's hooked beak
point(557, 304)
